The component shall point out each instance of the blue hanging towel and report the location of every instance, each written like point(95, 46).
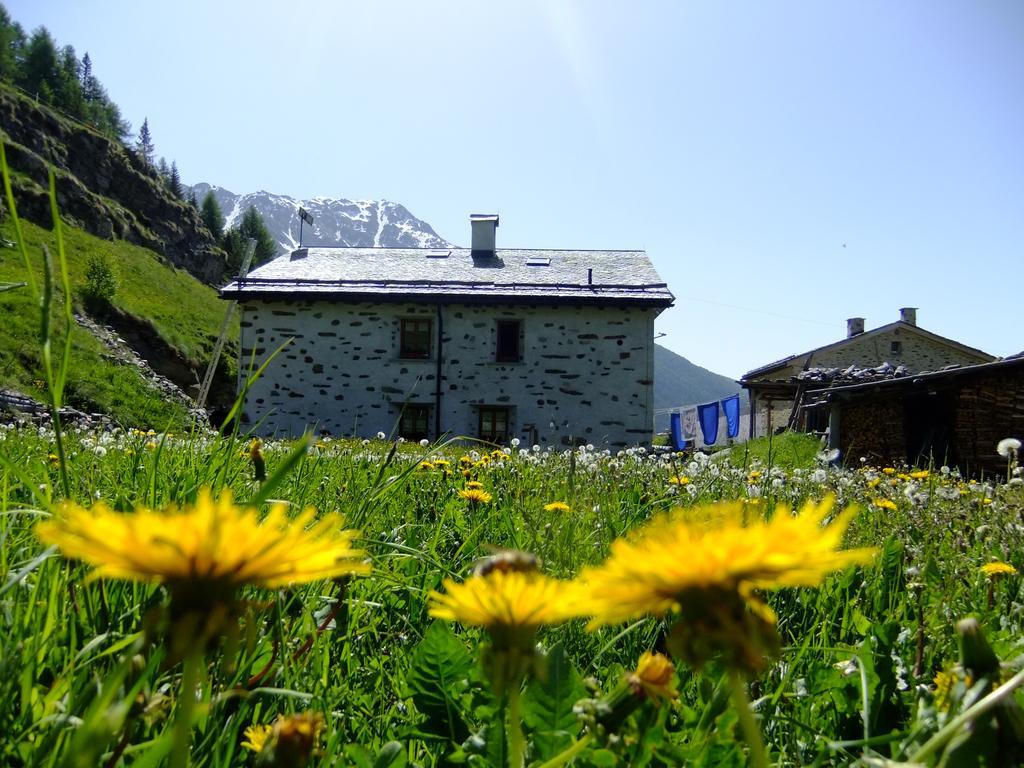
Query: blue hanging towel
point(676, 422)
point(731, 409)
point(708, 414)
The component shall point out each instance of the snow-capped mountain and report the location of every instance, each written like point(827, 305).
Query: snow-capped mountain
point(353, 223)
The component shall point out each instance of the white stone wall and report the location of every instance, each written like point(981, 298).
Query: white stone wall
point(586, 375)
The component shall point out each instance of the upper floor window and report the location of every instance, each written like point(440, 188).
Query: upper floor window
point(493, 424)
point(895, 347)
point(415, 422)
point(508, 346)
point(415, 339)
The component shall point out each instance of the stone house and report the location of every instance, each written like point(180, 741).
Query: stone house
point(954, 417)
point(551, 346)
point(778, 390)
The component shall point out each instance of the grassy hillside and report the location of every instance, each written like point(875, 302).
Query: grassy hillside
point(170, 305)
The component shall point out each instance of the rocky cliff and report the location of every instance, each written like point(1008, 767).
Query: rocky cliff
point(102, 187)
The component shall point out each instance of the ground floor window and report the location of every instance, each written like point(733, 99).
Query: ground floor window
point(415, 422)
point(493, 424)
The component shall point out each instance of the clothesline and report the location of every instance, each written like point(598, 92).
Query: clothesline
point(684, 423)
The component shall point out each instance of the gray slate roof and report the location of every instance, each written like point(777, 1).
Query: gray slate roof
point(457, 274)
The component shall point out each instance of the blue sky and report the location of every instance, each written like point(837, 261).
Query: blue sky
point(785, 165)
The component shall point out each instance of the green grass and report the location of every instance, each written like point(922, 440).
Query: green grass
point(182, 311)
point(74, 657)
point(788, 450)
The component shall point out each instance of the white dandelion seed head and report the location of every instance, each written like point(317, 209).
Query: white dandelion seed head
point(1008, 447)
point(828, 456)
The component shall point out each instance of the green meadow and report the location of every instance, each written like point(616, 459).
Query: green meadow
point(88, 679)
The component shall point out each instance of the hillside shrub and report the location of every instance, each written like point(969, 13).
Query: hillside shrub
point(100, 285)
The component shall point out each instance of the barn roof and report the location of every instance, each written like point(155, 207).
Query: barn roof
point(458, 274)
point(900, 324)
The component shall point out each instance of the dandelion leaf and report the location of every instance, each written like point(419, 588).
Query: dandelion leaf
point(437, 680)
point(548, 703)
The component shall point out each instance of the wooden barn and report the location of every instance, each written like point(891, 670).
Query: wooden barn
point(777, 390)
point(954, 417)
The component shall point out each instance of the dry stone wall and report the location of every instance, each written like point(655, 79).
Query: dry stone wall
point(586, 373)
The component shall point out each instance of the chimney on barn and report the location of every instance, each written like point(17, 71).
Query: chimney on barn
point(908, 315)
point(854, 327)
point(484, 233)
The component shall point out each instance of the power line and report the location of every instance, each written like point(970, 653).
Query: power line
point(758, 311)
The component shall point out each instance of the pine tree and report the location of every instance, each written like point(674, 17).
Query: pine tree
point(192, 198)
point(145, 144)
point(164, 170)
point(252, 226)
point(174, 180)
point(68, 87)
point(212, 216)
point(12, 43)
point(39, 66)
point(88, 81)
point(234, 245)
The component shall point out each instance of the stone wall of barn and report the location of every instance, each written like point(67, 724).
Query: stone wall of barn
point(586, 374)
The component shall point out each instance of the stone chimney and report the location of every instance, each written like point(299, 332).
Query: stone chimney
point(908, 315)
point(484, 233)
point(854, 327)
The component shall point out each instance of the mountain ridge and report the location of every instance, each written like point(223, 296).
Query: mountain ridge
point(336, 221)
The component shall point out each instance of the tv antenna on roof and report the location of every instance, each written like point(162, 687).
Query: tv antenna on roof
point(303, 217)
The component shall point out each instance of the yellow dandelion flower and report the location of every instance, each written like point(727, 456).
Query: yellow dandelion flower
point(873, 483)
point(505, 599)
point(475, 496)
point(211, 547)
point(465, 461)
point(474, 484)
point(259, 465)
point(670, 556)
point(920, 474)
point(426, 466)
point(889, 471)
point(556, 506)
point(707, 568)
point(292, 738)
point(945, 684)
point(996, 569)
point(884, 503)
point(510, 603)
point(256, 737)
point(679, 480)
point(442, 463)
point(653, 677)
